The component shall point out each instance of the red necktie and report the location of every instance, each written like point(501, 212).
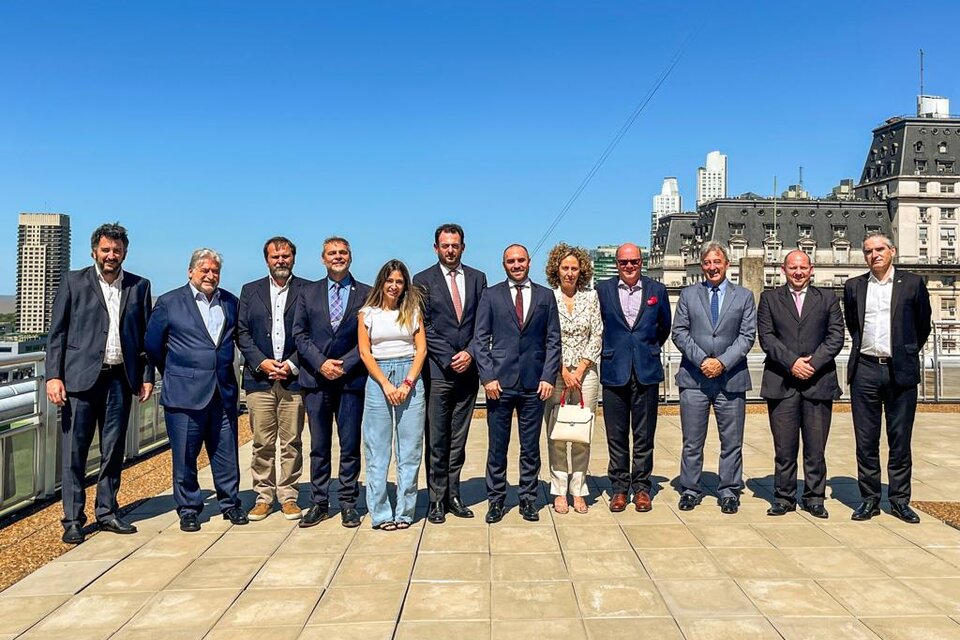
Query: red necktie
point(518, 304)
point(455, 294)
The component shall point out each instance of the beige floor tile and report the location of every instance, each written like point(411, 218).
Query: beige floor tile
point(176, 544)
point(943, 592)
point(589, 565)
point(452, 567)
point(591, 539)
point(532, 601)
point(864, 535)
point(913, 562)
point(459, 630)
point(813, 628)
point(914, 628)
point(926, 534)
point(950, 554)
point(619, 598)
point(706, 598)
point(17, 614)
point(258, 543)
point(291, 571)
point(791, 598)
point(524, 540)
point(218, 573)
point(679, 563)
point(105, 546)
point(362, 569)
point(183, 610)
point(728, 536)
point(632, 629)
point(447, 601)
point(140, 574)
point(262, 633)
point(455, 540)
point(833, 562)
point(878, 597)
point(270, 608)
point(598, 515)
point(528, 567)
point(664, 536)
point(661, 514)
point(89, 634)
point(371, 541)
point(306, 541)
point(357, 631)
point(785, 536)
point(128, 633)
point(59, 578)
point(571, 629)
point(370, 603)
point(756, 563)
point(734, 628)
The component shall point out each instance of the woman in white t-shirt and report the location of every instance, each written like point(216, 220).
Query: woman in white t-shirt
point(393, 347)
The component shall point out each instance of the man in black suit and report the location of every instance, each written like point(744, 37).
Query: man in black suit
point(801, 330)
point(887, 312)
point(517, 348)
point(95, 364)
point(332, 378)
point(451, 295)
point(265, 338)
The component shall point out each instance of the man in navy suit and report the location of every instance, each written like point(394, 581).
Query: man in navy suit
point(332, 378)
point(451, 295)
point(265, 338)
point(517, 348)
point(190, 338)
point(95, 365)
point(636, 323)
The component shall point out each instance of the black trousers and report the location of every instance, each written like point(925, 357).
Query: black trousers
point(873, 393)
point(449, 411)
point(105, 406)
point(321, 407)
point(791, 419)
point(630, 410)
point(529, 408)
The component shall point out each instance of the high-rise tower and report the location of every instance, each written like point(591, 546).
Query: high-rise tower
point(712, 179)
point(666, 203)
point(43, 258)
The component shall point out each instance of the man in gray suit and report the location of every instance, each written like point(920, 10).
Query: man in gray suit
point(714, 328)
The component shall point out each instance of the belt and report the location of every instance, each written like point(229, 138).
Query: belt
point(884, 360)
point(112, 367)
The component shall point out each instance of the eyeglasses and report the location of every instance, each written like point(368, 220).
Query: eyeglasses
point(634, 262)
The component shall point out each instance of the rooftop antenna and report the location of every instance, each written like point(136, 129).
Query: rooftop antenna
point(775, 230)
point(921, 72)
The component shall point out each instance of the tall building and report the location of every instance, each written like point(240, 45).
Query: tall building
point(712, 179)
point(604, 261)
point(666, 203)
point(43, 257)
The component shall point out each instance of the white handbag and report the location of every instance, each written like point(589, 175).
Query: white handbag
point(573, 423)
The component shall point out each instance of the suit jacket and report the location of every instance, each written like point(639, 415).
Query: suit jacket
point(786, 336)
point(446, 336)
point(518, 357)
point(633, 349)
point(909, 323)
point(254, 332)
point(729, 342)
point(317, 341)
point(192, 365)
point(78, 330)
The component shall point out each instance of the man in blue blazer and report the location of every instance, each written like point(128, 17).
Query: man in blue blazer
point(517, 348)
point(715, 327)
point(265, 338)
point(95, 365)
point(332, 378)
point(451, 295)
point(636, 323)
point(190, 339)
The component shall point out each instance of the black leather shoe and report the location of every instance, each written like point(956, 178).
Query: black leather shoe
point(189, 522)
point(114, 524)
point(817, 510)
point(348, 517)
point(73, 534)
point(236, 516)
point(728, 505)
point(780, 509)
point(435, 513)
point(866, 510)
point(494, 513)
point(313, 516)
point(456, 507)
point(687, 502)
point(528, 510)
point(904, 512)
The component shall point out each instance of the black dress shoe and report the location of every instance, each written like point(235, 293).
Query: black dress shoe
point(73, 534)
point(780, 509)
point(495, 512)
point(904, 512)
point(456, 507)
point(728, 505)
point(236, 515)
point(114, 524)
point(866, 510)
point(528, 510)
point(189, 522)
point(348, 517)
point(817, 510)
point(435, 513)
point(687, 502)
point(313, 516)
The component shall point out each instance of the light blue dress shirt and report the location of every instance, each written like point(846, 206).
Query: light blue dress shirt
point(211, 311)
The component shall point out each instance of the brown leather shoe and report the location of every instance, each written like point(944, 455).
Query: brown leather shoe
point(291, 510)
point(618, 502)
point(642, 501)
point(260, 511)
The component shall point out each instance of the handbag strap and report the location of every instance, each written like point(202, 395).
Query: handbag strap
point(563, 398)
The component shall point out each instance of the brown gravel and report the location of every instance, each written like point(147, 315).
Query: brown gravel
point(949, 512)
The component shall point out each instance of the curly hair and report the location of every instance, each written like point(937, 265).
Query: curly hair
point(558, 254)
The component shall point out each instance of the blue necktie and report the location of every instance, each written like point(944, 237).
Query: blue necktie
point(336, 309)
point(715, 306)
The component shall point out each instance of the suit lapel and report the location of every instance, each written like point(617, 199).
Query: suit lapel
point(195, 312)
point(787, 299)
point(228, 321)
point(125, 286)
point(440, 282)
point(351, 300)
point(294, 288)
point(895, 297)
point(862, 300)
point(704, 295)
point(615, 292)
point(325, 298)
point(94, 281)
point(644, 283)
point(263, 292)
point(533, 305)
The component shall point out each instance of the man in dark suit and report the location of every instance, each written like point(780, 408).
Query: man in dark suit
point(190, 338)
point(265, 338)
point(451, 295)
point(95, 365)
point(887, 312)
point(517, 348)
point(636, 323)
point(332, 378)
point(801, 330)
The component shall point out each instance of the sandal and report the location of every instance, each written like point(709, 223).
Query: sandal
point(403, 525)
point(386, 526)
point(560, 504)
point(580, 505)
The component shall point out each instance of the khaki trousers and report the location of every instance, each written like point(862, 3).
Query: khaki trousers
point(569, 460)
point(276, 417)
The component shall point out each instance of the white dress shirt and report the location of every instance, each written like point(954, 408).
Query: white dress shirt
point(278, 337)
point(526, 293)
point(113, 353)
point(461, 282)
point(876, 317)
point(211, 311)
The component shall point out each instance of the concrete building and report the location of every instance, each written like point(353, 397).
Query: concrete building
point(712, 179)
point(604, 261)
point(43, 257)
point(666, 203)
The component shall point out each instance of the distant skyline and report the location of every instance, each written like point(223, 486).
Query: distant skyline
point(222, 123)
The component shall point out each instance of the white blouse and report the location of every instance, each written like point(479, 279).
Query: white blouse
point(388, 339)
point(581, 331)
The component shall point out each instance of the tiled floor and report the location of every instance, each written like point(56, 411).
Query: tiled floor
point(664, 574)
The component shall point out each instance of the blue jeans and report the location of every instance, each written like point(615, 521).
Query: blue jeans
point(380, 418)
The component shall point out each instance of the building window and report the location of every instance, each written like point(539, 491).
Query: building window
point(923, 186)
point(841, 255)
point(923, 255)
point(948, 308)
point(948, 235)
point(870, 228)
point(770, 279)
point(946, 188)
point(922, 233)
point(949, 281)
point(806, 231)
point(769, 231)
point(839, 231)
point(921, 166)
point(809, 251)
point(948, 256)
point(948, 213)
point(737, 251)
point(918, 147)
point(736, 228)
point(944, 166)
point(839, 281)
point(942, 147)
point(924, 215)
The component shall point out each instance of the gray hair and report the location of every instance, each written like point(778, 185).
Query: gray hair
point(205, 254)
point(879, 234)
point(335, 240)
point(713, 246)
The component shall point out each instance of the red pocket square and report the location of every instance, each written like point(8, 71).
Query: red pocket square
point(652, 300)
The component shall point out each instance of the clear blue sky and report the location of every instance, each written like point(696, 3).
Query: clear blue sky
point(222, 123)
